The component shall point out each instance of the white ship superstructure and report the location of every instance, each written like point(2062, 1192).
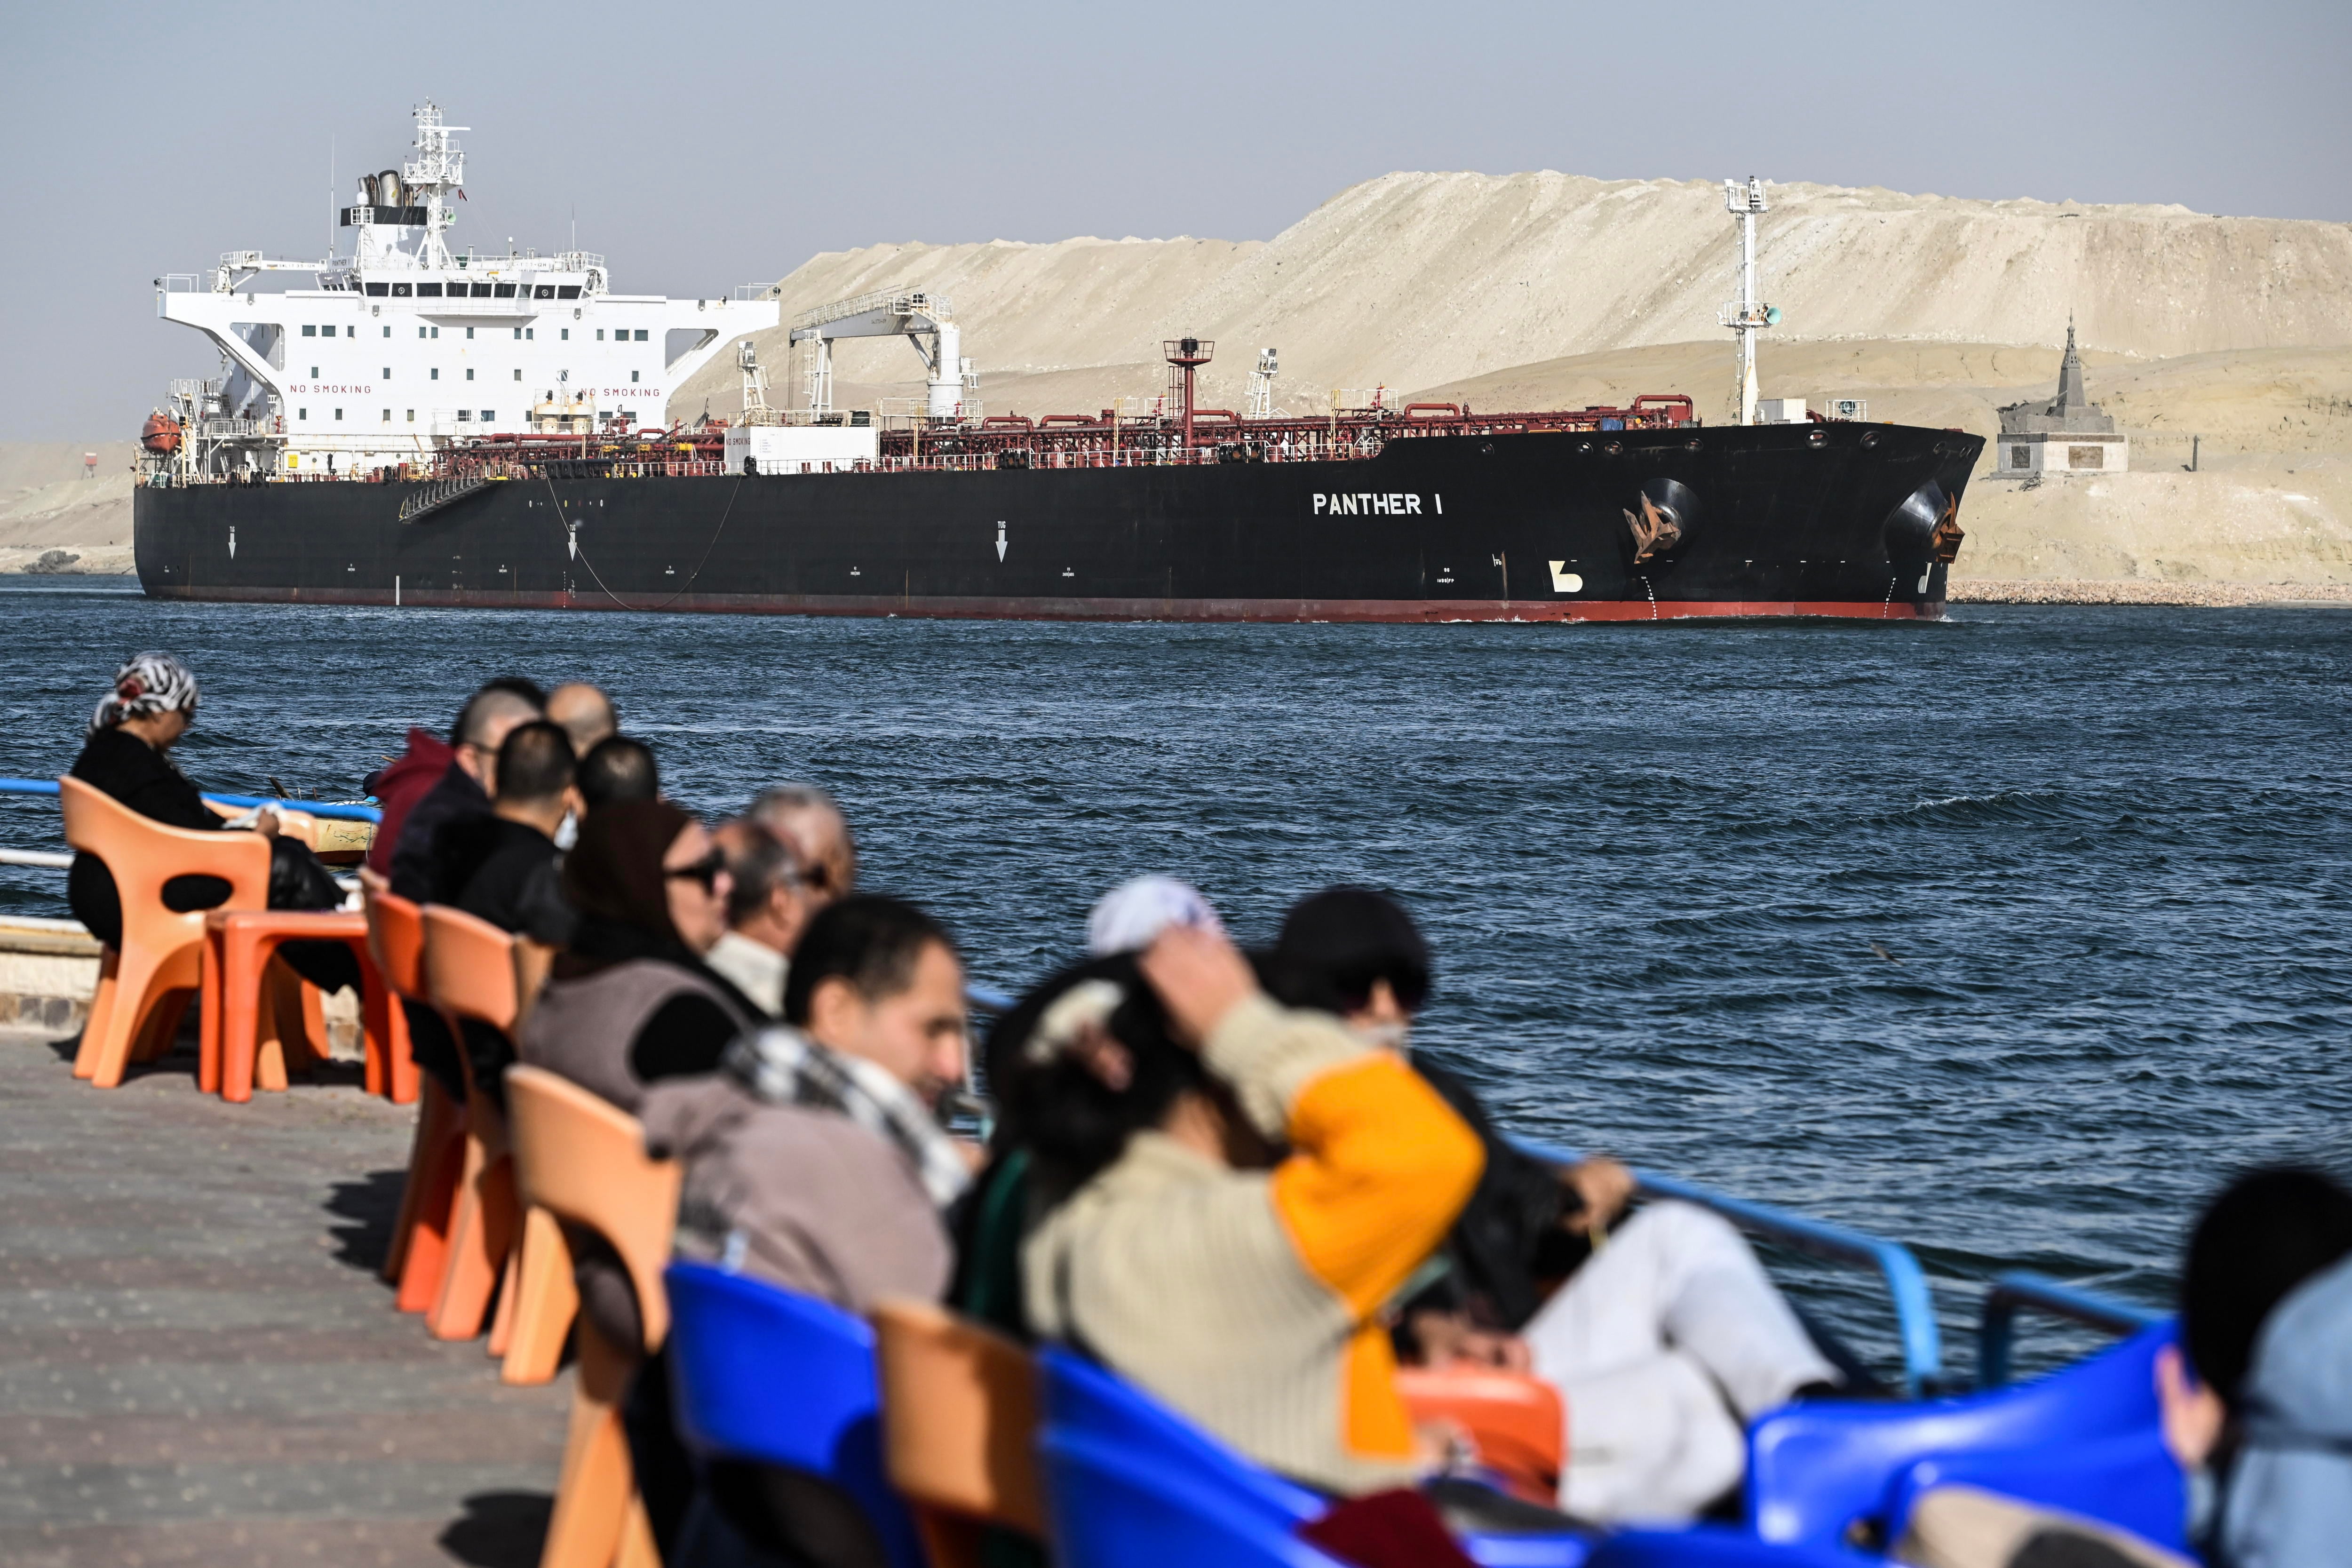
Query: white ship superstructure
point(406, 346)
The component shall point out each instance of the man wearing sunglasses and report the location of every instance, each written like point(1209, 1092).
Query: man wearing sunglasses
point(767, 911)
point(790, 856)
point(824, 851)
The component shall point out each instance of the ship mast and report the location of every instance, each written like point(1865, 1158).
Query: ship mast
point(1747, 315)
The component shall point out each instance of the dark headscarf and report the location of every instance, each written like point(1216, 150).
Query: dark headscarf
point(613, 879)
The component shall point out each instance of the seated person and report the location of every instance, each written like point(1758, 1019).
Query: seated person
point(511, 876)
point(806, 818)
point(126, 755)
point(586, 714)
point(766, 913)
point(2258, 1410)
point(1241, 1190)
point(1662, 1344)
point(615, 769)
point(463, 790)
point(815, 1158)
point(631, 1001)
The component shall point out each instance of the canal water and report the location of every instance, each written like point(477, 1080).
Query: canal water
point(2010, 937)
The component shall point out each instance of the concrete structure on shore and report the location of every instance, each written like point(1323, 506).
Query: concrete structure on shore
point(2070, 433)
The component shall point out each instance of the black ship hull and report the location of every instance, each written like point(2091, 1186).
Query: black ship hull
point(1817, 520)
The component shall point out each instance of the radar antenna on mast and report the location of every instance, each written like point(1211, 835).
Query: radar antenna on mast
point(1746, 315)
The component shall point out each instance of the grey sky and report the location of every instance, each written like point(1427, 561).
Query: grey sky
point(706, 146)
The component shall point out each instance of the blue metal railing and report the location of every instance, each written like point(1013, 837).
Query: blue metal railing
point(344, 811)
point(1906, 1284)
point(2013, 1292)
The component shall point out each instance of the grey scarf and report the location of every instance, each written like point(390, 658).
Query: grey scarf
point(783, 1066)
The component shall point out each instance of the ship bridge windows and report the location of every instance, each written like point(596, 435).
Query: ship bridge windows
point(428, 290)
point(567, 290)
point(480, 291)
point(378, 290)
point(542, 292)
point(503, 290)
point(403, 290)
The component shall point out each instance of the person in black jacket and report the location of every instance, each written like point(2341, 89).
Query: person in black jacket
point(125, 754)
point(506, 867)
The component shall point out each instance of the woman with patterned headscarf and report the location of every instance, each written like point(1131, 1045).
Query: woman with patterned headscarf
point(151, 705)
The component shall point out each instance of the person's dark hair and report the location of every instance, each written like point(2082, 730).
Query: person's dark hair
point(760, 863)
point(509, 694)
point(618, 768)
point(1335, 944)
point(2266, 1234)
point(534, 762)
point(614, 879)
point(1073, 1122)
point(871, 941)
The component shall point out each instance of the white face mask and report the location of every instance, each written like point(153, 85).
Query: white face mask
point(1397, 1038)
point(567, 832)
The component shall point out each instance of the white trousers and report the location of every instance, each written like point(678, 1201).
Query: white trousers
point(1647, 1342)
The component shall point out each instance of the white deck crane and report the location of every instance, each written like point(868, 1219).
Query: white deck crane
point(924, 319)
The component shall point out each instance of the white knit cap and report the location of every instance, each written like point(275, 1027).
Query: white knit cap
point(1132, 916)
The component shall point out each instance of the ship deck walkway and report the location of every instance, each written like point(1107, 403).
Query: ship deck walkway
point(197, 1359)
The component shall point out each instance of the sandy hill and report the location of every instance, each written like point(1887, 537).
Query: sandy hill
point(46, 504)
point(1417, 280)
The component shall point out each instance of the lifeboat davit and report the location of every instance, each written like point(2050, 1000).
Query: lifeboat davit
point(162, 434)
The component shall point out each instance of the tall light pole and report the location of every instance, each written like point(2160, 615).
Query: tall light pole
point(1747, 315)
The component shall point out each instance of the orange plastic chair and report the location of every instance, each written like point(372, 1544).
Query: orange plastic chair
point(235, 1051)
point(959, 1410)
point(436, 1158)
point(143, 985)
point(582, 1162)
point(1518, 1422)
point(469, 972)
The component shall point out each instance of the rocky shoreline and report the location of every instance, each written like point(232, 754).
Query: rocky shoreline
point(2076, 591)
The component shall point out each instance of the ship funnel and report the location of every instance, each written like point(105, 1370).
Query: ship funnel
point(387, 185)
point(368, 192)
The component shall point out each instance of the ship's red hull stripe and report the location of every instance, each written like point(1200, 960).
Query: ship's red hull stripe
point(1082, 609)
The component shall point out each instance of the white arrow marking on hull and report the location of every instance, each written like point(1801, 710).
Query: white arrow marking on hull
point(1000, 544)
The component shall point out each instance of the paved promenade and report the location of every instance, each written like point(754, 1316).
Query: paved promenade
point(198, 1363)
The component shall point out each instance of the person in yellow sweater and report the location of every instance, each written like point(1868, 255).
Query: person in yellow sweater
point(1246, 1188)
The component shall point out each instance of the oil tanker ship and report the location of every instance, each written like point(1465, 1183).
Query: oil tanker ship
point(332, 462)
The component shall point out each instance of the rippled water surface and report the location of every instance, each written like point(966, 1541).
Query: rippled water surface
point(2008, 937)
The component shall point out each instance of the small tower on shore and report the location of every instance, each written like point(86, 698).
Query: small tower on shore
point(2068, 435)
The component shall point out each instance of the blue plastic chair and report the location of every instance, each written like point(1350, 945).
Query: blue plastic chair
point(1113, 1507)
point(760, 1373)
point(1816, 1471)
point(2131, 1481)
point(1082, 1400)
point(1708, 1548)
point(1085, 1403)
